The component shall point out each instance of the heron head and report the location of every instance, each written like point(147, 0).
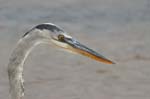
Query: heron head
point(59, 37)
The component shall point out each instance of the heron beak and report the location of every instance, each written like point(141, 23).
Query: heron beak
point(77, 47)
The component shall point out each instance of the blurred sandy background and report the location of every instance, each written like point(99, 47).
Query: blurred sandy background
point(119, 29)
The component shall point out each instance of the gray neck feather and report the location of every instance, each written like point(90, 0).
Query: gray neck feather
point(15, 66)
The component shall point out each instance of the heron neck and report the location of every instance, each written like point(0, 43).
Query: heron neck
point(15, 66)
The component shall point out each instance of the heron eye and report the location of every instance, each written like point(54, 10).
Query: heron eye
point(61, 37)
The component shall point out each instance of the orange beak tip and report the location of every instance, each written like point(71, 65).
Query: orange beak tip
point(110, 62)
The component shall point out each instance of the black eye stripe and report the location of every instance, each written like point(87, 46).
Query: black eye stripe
point(49, 27)
point(27, 33)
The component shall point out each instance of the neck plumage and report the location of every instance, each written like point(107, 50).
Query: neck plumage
point(15, 66)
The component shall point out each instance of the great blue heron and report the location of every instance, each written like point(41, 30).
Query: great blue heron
point(43, 33)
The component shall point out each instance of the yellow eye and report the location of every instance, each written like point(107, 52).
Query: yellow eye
point(61, 37)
